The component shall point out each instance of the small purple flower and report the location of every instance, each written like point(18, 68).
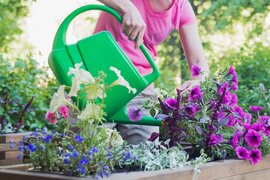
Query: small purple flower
point(79, 138)
point(171, 102)
point(247, 117)
point(257, 127)
point(234, 86)
point(215, 139)
point(233, 99)
point(213, 104)
point(66, 161)
point(12, 144)
point(135, 114)
point(255, 156)
point(256, 109)
point(242, 152)
point(81, 169)
point(195, 70)
point(47, 138)
point(195, 94)
point(32, 147)
point(253, 138)
point(231, 121)
point(192, 109)
point(84, 160)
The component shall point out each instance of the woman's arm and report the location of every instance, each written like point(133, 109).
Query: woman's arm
point(192, 46)
point(133, 23)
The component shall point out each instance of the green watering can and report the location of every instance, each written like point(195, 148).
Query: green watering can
point(98, 53)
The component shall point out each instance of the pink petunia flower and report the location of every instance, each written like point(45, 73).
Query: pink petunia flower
point(51, 117)
point(242, 152)
point(253, 138)
point(215, 139)
point(195, 70)
point(191, 109)
point(255, 156)
point(64, 111)
point(235, 139)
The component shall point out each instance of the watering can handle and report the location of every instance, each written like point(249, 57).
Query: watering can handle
point(60, 38)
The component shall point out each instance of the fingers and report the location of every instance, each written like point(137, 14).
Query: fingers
point(139, 39)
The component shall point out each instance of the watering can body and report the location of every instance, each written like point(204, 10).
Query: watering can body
point(98, 53)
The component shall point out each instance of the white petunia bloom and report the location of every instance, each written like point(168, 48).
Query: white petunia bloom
point(121, 81)
point(80, 76)
point(59, 99)
point(91, 111)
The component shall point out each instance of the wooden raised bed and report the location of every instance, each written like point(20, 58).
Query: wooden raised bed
point(9, 156)
point(222, 170)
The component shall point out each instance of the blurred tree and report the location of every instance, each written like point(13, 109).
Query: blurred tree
point(11, 13)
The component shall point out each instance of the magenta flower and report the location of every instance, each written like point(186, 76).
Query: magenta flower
point(135, 114)
point(256, 109)
point(233, 100)
point(195, 93)
point(232, 71)
point(171, 102)
point(242, 152)
point(223, 89)
point(265, 121)
point(234, 86)
point(213, 104)
point(239, 111)
point(231, 121)
point(235, 139)
point(257, 127)
point(51, 117)
point(195, 70)
point(64, 111)
point(215, 139)
point(191, 109)
point(247, 117)
point(253, 138)
point(255, 156)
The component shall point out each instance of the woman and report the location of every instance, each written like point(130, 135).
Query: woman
point(150, 22)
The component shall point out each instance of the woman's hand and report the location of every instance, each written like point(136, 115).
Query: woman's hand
point(188, 85)
point(133, 25)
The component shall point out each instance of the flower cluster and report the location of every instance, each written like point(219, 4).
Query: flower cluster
point(208, 117)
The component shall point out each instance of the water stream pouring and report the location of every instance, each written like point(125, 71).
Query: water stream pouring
point(99, 52)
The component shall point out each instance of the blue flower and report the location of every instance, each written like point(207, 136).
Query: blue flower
point(59, 150)
point(42, 147)
point(75, 153)
point(21, 148)
point(54, 132)
point(127, 155)
point(63, 134)
point(107, 173)
point(12, 144)
point(81, 169)
point(32, 147)
point(19, 156)
point(79, 138)
point(34, 134)
point(37, 129)
point(84, 160)
point(94, 150)
point(47, 138)
point(70, 147)
point(101, 173)
point(66, 161)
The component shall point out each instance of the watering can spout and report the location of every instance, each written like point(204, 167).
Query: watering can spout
point(122, 117)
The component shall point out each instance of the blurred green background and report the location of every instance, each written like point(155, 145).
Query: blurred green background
point(233, 32)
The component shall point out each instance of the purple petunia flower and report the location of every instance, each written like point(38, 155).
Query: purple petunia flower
point(253, 138)
point(265, 121)
point(195, 70)
point(257, 127)
point(171, 102)
point(231, 121)
point(234, 86)
point(242, 152)
point(191, 109)
point(256, 109)
point(195, 94)
point(213, 104)
point(234, 100)
point(215, 139)
point(255, 156)
point(78, 138)
point(235, 139)
point(247, 117)
point(135, 114)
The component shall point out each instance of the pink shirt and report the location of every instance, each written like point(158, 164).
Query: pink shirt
point(158, 27)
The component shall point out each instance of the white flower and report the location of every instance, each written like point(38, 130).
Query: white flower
point(59, 99)
point(95, 91)
point(80, 76)
point(91, 111)
point(121, 81)
point(113, 138)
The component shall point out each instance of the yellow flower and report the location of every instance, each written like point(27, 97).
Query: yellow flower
point(81, 76)
point(121, 81)
point(94, 91)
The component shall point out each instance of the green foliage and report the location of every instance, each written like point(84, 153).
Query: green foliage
point(12, 11)
point(20, 82)
point(252, 67)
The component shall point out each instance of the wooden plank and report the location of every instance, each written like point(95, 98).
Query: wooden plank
point(21, 167)
point(9, 155)
point(5, 147)
point(10, 162)
point(16, 137)
point(258, 175)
